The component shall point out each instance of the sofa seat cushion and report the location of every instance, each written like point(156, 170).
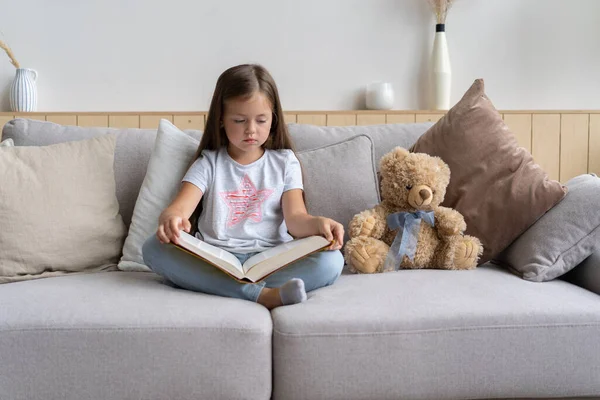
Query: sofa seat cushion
point(425, 334)
point(128, 335)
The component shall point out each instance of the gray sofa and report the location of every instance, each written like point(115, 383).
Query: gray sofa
point(422, 334)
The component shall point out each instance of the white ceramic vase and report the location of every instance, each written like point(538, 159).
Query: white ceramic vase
point(23, 91)
point(380, 96)
point(441, 73)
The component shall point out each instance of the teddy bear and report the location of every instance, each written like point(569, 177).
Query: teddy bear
point(409, 229)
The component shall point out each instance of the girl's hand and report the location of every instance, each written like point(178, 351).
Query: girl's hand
point(169, 225)
point(331, 230)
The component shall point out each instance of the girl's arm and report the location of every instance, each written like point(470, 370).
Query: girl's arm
point(301, 224)
point(176, 216)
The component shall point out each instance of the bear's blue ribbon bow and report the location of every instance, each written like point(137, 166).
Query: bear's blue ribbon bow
point(405, 242)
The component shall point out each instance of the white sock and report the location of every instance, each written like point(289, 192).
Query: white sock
point(292, 292)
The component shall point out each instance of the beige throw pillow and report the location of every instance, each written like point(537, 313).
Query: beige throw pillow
point(494, 183)
point(58, 209)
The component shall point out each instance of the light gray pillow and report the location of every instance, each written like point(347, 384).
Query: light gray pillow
point(132, 153)
point(7, 143)
point(172, 155)
point(340, 179)
point(562, 238)
point(384, 137)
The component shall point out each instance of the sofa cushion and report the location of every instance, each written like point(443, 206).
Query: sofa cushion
point(58, 209)
point(495, 184)
point(127, 335)
point(7, 143)
point(428, 334)
point(171, 157)
point(131, 155)
point(562, 238)
point(586, 274)
point(340, 179)
point(385, 137)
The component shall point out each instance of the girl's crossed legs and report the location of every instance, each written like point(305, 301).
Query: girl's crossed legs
point(188, 272)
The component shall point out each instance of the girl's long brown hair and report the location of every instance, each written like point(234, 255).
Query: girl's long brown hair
point(241, 81)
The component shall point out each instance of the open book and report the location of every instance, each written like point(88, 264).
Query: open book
point(260, 265)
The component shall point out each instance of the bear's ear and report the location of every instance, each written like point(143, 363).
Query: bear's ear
point(398, 154)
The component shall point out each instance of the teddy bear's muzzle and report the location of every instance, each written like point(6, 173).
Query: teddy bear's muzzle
point(420, 196)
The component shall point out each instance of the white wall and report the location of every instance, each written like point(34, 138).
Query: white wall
point(153, 55)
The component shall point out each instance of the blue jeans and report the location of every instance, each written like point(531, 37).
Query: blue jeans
point(188, 272)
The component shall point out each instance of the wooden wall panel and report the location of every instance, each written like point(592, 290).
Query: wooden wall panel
point(63, 119)
point(428, 117)
point(341, 119)
point(370, 119)
point(151, 121)
point(574, 138)
point(313, 119)
point(594, 148)
point(92, 120)
point(545, 143)
point(290, 118)
point(520, 125)
point(564, 143)
point(124, 121)
point(400, 118)
point(34, 116)
point(189, 121)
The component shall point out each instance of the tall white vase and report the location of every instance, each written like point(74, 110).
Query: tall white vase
point(441, 73)
point(23, 91)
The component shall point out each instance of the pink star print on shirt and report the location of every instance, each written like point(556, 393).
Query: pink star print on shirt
point(245, 202)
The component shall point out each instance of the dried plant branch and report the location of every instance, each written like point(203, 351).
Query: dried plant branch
point(440, 9)
point(10, 54)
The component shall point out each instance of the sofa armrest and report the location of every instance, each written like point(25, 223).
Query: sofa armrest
point(586, 274)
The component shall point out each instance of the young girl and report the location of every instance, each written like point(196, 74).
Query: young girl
point(251, 185)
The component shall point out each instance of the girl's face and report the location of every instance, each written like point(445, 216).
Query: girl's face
point(247, 123)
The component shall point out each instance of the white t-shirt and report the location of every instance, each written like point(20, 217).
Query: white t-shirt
point(241, 204)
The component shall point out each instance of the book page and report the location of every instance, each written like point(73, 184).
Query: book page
point(212, 254)
point(270, 260)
